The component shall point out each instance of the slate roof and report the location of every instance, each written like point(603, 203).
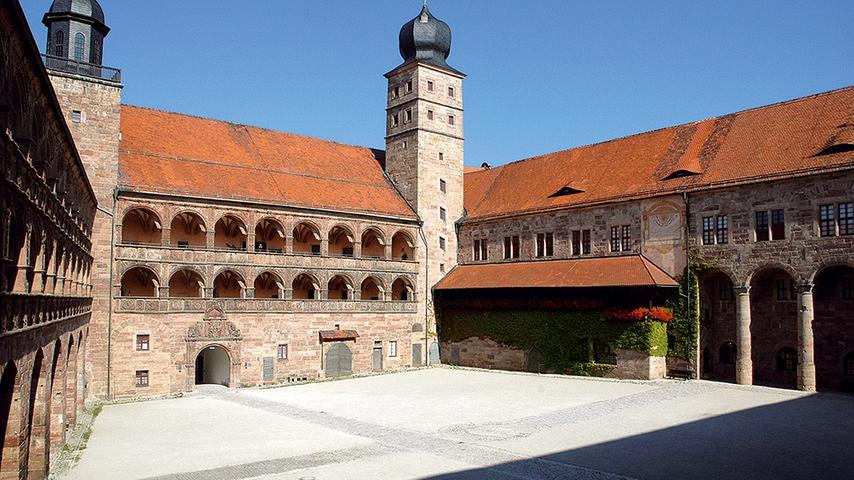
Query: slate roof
point(175, 154)
point(623, 271)
point(764, 143)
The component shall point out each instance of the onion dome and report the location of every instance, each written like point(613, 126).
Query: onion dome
point(87, 11)
point(426, 39)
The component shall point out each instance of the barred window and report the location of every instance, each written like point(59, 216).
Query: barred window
point(846, 218)
point(722, 229)
point(576, 242)
point(778, 225)
point(615, 239)
point(626, 238)
point(282, 352)
point(585, 242)
point(762, 226)
point(708, 230)
point(141, 378)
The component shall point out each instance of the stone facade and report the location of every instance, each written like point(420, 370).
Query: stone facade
point(484, 352)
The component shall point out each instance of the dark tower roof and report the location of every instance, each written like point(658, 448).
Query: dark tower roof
point(87, 11)
point(426, 39)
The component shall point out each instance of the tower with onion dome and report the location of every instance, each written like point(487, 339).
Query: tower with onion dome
point(425, 142)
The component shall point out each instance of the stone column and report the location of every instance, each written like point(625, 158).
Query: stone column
point(806, 341)
point(250, 242)
point(166, 237)
point(210, 238)
point(357, 249)
point(744, 362)
point(289, 244)
point(324, 247)
point(388, 252)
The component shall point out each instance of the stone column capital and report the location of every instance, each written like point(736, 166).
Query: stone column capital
point(741, 290)
point(806, 287)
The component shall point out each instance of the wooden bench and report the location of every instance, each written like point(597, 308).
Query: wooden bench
point(681, 374)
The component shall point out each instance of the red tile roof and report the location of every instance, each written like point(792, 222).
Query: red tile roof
point(624, 271)
point(775, 141)
point(338, 335)
point(170, 153)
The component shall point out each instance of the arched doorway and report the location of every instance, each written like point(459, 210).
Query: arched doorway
point(339, 361)
point(833, 327)
point(9, 419)
point(213, 366)
point(717, 326)
point(773, 326)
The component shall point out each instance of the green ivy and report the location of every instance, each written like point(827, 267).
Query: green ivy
point(561, 337)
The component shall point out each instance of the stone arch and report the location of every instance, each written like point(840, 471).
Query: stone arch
point(307, 238)
point(718, 321)
point(772, 266)
point(186, 282)
point(341, 240)
point(340, 287)
point(833, 323)
point(417, 328)
point(230, 232)
point(139, 281)
point(229, 284)
point(773, 321)
point(372, 288)
point(403, 289)
point(141, 225)
point(269, 284)
point(338, 361)
point(829, 263)
point(220, 373)
point(36, 456)
point(10, 419)
point(373, 242)
point(270, 235)
point(188, 229)
point(57, 395)
point(305, 286)
point(402, 246)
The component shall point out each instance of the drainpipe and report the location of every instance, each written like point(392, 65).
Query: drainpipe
point(428, 291)
point(112, 215)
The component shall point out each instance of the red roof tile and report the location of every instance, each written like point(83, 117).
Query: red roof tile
point(624, 271)
point(338, 335)
point(170, 153)
point(768, 142)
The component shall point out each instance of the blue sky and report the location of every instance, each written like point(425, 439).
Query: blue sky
point(542, 75)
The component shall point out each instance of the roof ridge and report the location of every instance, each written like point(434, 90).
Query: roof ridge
point(243, 125)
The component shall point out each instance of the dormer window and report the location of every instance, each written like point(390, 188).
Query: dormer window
point(838, 148)
point(566, 190)
point(842, 141)
point(680, 174)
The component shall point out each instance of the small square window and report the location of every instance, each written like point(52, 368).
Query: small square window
point(396, 93)
point(407, 116)
point(429, 85)
point(443, 186)
point(429, 114)
point(452, 120)
point(451, 92)
point(762, 233)
point(315, 249)
point(395, 120)
point(442, 243)
point(443, 214)
point(76, 116)
point(404, 145)
point(392, 348)
point(141, 378)
point(441, 156)
point(142, 343)
point(409, 86)
point(846, 218)
point(282, 352)
point(442, 267)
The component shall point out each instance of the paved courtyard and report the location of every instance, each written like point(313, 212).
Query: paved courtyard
point(459, 424)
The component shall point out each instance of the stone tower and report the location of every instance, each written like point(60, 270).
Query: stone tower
point(90, 96)
point(424, 141)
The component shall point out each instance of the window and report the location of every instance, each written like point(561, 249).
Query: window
point(480, 250)
point(407, 117)
point(59, 44)
point(141, 378)
point(142, 342)
point(429, 114)
point(396, 92)
point(626, 238)
point(392, 348)
point(404, 145)
point(451, 92)
point(787, 360)
point(545, 245)
point(409, 86)
point(762, 226)
point(315, 249)
point(511, 247)
point(826, 221)
point(282, 352)
point(443, 186)
point(96, 52)
point(708, 230)
point(76, 116)
point(442, 243)
point(724, 290)
point(442, 267)
point(722, 229)
point(848, 288)
point(786, 290)
point(621, 238)
point(576, 242)
point(615, 239)
point(429, 85)
point(727, 354)
point(846, 218)
point(452, 120)
point(443, 214)
point(778, 225)
point(395, 120)
point(585, 242)
point(79, 46)
point(441, 156)
point(347, 252)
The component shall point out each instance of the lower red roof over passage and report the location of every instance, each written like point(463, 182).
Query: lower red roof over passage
point(625, 271)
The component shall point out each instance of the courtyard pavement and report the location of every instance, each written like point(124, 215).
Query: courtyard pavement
point(450, 424)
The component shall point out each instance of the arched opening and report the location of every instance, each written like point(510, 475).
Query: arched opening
point(230, 233)
point(79, 47)
point(9, 419)
point(269, 285)
point(341, 242)
point(833, 326)
point(269, 236)
point(402, 246)
point(139, 282)
point(373, 244)
point(717, 325)
point(402, 290)
point(339, 361)
point(372, 290)
point(57, 396)
point(36, 455)
point(141, 226)
point(773, 322)
point(305, 287)
point(306, 239)
point(186, 284)
point(188, 231)
point(71, 383)
point(17, 238)
point(213, 366)
point(228, 284)
point(340, 288)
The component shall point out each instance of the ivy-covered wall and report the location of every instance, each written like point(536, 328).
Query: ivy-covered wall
point(561, 337)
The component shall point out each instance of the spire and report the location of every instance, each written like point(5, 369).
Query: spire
point(426, 39)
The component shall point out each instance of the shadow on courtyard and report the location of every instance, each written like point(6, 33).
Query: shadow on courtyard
point(810, 437)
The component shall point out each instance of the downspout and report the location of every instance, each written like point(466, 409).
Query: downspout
point(428, 291)
point(110, 290)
